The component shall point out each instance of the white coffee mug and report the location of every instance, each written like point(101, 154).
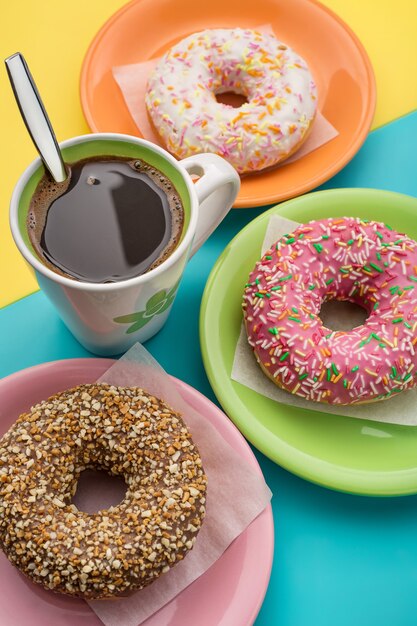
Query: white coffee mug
point(108, 318)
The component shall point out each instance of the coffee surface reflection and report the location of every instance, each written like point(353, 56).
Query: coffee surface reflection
point(113, 219)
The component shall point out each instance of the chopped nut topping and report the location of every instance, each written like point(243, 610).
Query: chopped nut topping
point(123, 431)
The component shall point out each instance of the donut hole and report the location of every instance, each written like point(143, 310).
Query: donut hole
point(342, 315)
point(97, 490)
point(231, 99)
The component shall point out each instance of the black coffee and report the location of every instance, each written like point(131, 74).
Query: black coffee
point(112, 219)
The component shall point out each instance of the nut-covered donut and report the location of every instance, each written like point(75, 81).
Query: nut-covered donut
point(351, 259)
point(128, 433)
point(271, 125)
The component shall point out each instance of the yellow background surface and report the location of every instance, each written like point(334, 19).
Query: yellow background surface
point(54, 37)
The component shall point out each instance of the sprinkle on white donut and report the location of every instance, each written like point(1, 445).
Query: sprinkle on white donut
point(277, 83)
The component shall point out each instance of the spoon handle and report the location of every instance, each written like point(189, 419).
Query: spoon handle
point(34, 116)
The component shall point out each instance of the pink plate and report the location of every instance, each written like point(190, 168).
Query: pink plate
point(230, 593)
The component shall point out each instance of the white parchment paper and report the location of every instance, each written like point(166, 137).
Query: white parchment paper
point(236, 495)
point(132, 80)
point(402, 409)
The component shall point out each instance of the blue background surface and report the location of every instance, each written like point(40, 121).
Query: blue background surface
point(339, 559)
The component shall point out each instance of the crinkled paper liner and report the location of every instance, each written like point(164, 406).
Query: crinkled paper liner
point(236, 495)
point(398, 410)
point(132, 80)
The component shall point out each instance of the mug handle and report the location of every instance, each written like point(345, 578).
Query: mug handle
point(216, 175)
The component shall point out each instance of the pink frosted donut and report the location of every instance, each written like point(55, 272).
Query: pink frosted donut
point(271, 125)
point(336, 259)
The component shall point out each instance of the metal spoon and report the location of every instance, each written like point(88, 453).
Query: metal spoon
point(35, 117)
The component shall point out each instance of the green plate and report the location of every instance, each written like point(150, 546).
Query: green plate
point(339, 452)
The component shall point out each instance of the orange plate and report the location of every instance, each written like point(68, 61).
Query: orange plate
point(145, 29)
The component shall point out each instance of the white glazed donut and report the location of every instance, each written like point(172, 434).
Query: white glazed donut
point(261, 133)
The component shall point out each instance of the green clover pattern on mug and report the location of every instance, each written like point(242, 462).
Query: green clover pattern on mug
point(157, 304)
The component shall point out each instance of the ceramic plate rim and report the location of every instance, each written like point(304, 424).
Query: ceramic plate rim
point(318, 471)
point(242, 201)
point(195, 394)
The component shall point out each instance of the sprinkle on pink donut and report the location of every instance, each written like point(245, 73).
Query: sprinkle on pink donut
point(277, 83)
point(343, 259)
